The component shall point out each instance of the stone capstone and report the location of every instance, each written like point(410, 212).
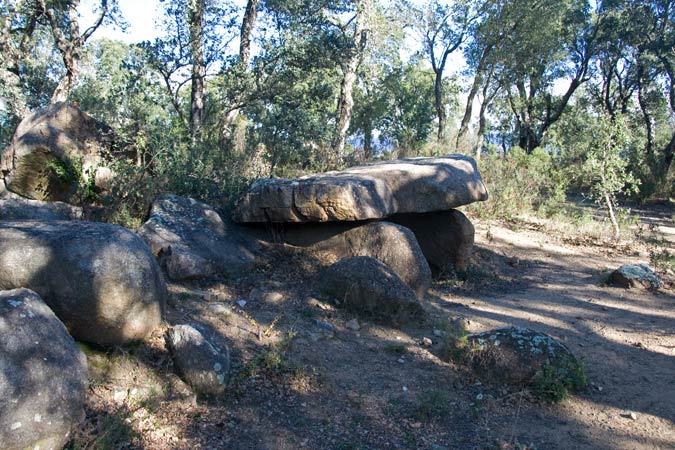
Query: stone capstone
point(635, 276)
point(393, 245)
point(372, 191)
point(101, 280)
point(445, 237)
point(201, 363)
point(369, 288)
point(51, 149)
point(192, 241)
point(43, 375)
point(526, 358)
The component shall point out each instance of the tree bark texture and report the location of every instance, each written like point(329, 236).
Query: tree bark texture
point(69, 41)
point(247, 25)
point(345, 105)
point(196, 25)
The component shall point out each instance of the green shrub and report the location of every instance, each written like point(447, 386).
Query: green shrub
point(554, 385)
point(519, 183)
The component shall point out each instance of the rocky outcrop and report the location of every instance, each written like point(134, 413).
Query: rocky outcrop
point(101, 280)
point(51, 149)
point(389, 243)
point(203, 365)
point(24, 209)
point(635, 276)
point(526, 358)
point(372, 191)
point(191, 241)
point(445, 237)
point(43, 375)
point(371, 289)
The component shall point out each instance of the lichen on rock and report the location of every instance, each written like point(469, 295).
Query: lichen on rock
point(526, 358)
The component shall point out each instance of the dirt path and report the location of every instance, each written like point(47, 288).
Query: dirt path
point(306, 378)
point(625, 337)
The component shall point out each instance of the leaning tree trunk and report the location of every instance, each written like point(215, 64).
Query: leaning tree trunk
point(247, 24)
point(345, 105)
point(468, 111)
point(612, 216)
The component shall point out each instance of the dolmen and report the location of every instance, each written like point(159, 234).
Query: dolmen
point(400, 213)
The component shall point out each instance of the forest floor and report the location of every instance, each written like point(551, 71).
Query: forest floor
point(302, 378)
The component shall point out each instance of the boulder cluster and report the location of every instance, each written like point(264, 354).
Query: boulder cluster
point(382, 229)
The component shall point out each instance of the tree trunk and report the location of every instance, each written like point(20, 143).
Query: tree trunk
point(368, 141)
point(69, 44)
point(438, 97)
point(668, 154)
point(246, 31)
point(11, 91)
point(67, 82)
point(528, 139)
point(69, 41)
point(669, 151)
point(468, 111)
point(345, 108)
point(480, 138)
point(230, 123)
point(612, 216)
point(196, 25)
point(11, 57)
point(647, 121)
point(481, 128)
point(345, 105)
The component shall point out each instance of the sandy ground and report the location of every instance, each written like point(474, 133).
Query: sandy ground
point(303, 378)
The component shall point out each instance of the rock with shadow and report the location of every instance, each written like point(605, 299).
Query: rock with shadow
point(101, 280)
point(52, 149)
point(526, 358)
point(201, 363)
point(638, 276)
point(372, 290)
point(371, 191)
point(192, 241)
point(391, 244)
point(26, 209)
point(445, 237)
point(43, 375)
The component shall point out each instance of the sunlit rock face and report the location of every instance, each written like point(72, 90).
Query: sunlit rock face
point(372, 191)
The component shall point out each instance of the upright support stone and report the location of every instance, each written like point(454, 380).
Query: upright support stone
point(445, 237)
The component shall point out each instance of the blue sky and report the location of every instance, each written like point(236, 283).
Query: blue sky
point(139, 14)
